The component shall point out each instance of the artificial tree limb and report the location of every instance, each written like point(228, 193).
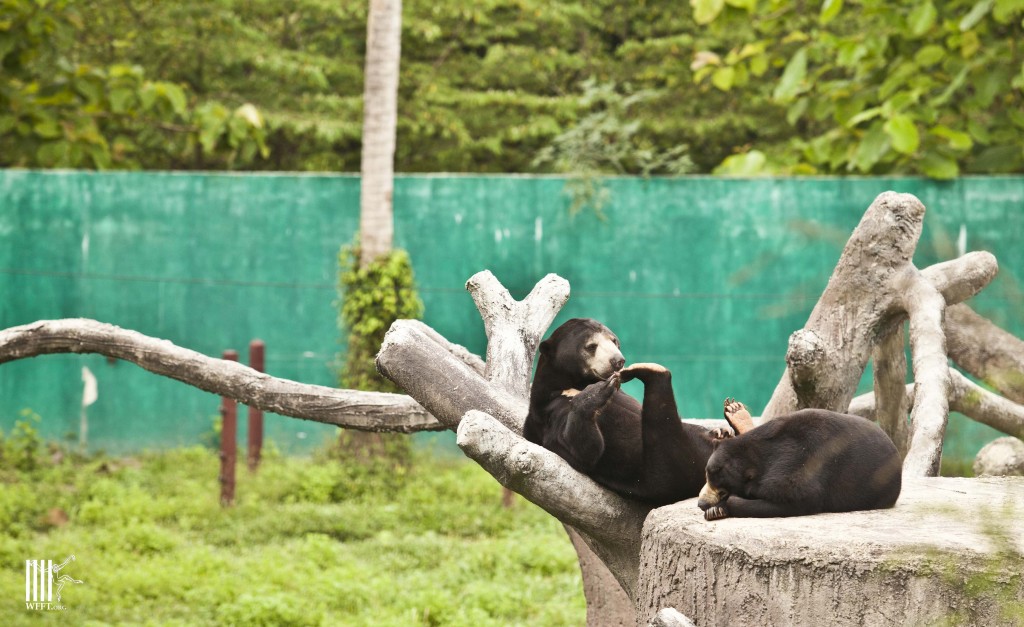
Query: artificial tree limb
point(826, 359)
point(977, 403)
point(515, 328)
point(962, 278)
point(983, 349)
point(441, 382)
point(865, 405)
point(351, 409)
point(925, 306)
point(965, 397)
point(863, 302)
point(611, 523)
point(890, 382)
point(458, 351)
point(411, 358)
point(859, 294)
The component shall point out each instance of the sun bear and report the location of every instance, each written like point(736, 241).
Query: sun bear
point(577, 410)
point(807, 462)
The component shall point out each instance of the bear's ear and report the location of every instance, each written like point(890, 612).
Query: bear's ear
point(546, 346)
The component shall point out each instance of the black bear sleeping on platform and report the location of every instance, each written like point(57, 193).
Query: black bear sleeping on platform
point(577, 411)
point(807, 462)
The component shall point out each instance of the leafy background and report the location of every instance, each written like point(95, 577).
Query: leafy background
point(738, 87)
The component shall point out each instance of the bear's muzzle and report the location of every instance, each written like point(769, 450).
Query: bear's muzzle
point(710, 496)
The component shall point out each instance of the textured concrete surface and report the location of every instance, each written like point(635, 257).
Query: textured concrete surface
point(949, 552)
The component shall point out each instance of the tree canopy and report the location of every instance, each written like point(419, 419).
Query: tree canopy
point(487, 85)
point(64, 104)
point(875, 86)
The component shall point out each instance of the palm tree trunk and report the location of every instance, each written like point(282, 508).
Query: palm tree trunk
point(380, 117)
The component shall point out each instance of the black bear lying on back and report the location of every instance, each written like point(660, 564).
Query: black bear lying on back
point(807, 462)
point(577, 411)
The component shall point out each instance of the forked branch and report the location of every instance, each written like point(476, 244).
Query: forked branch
point(872, 291)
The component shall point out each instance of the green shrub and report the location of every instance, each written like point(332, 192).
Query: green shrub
point(373, 296)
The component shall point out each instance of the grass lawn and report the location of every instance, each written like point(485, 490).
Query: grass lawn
point(309, 542)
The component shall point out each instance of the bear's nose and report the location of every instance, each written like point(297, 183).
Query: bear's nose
point(618, 363)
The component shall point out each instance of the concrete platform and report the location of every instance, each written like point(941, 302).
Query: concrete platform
point(950, 552)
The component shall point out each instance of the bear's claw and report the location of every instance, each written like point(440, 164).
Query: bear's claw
point(715, 513)
point(720, 434)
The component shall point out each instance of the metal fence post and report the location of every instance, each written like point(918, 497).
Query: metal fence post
point(228, 442)
point(257, 350)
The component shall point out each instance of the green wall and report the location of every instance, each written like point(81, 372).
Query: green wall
point(708, 276)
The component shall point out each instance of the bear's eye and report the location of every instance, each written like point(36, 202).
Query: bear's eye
point(591, 348)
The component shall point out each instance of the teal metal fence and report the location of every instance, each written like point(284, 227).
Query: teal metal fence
point(707, 276)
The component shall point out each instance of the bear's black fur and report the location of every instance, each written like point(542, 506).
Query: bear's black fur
point(807, 462)
point(644, 451)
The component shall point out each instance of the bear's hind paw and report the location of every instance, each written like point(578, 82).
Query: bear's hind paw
point(738, 417)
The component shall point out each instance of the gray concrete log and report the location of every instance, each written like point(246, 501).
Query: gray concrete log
point(890, 381)
point(965, 397)
point(610, 524)
point(351, 409)
point(416, 358)
point(986, 351)
point(514, 331)
point(835, 344)
point(924, 306)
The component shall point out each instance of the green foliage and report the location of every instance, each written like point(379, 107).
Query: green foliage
point(956, 467)
point(607, 141)
point(59, 111)
point(372, 297)
point(23, 446)
point(433, 548)
point(928, 87)
point(485, 85)
point(873, 87)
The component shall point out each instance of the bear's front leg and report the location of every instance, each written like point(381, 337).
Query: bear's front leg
point(594, 397)
point(646, 372)
point(581, 436)
point(659, 404)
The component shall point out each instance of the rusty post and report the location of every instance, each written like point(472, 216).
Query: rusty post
point(228, 442)
point(257, 350)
